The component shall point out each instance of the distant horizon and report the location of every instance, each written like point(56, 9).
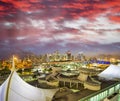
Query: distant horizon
point(90, 54)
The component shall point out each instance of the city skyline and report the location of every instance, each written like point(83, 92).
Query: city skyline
point(43, 26)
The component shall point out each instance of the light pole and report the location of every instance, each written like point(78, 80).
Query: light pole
point(13, 63)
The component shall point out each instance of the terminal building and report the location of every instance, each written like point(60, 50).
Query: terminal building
point(15, 89)
point(109, 92)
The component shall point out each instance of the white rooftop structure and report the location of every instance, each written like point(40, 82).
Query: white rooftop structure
point(110, 73)
point(118, 64)
point(15, 89)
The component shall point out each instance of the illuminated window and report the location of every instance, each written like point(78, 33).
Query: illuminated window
point(111, 90)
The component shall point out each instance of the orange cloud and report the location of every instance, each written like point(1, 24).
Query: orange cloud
point(115, 18)
point(75, 5)
point(1, 8)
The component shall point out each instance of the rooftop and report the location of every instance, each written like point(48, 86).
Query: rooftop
point(86, 92)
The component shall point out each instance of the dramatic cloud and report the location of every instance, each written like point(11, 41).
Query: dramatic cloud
point(43, 26)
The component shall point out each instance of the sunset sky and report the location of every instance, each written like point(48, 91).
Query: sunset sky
point(43, 26)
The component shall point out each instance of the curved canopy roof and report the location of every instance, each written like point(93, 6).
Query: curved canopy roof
point(15, 89)
point(111, 73)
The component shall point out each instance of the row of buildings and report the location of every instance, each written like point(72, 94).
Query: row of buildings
point(30, 60)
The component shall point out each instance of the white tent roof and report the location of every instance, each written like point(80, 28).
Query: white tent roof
point(111, 72)
point(15, 89)
point(118, 64)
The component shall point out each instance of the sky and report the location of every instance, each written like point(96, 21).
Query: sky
point(43, 26)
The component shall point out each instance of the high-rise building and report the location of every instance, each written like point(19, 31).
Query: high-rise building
point(80, 56)
point(69, 56)
point(57, 56)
